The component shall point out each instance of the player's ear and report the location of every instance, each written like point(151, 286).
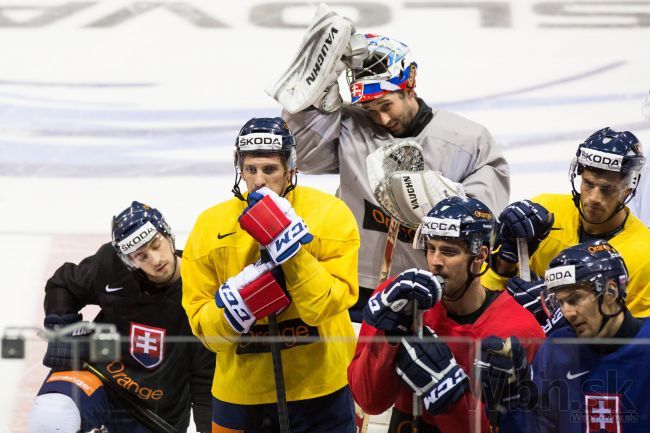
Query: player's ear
point(611, 292)
point(482, 254)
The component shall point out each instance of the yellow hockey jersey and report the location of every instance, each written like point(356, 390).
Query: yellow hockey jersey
point(322, 283)
point(630, 242)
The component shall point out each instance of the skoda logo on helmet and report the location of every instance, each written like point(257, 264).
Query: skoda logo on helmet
point(259, 141)
point(598, 159)
point(560, 276)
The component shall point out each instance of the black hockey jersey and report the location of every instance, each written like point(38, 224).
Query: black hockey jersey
point(167, 375)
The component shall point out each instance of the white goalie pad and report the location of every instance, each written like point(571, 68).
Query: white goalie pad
point(317, 64)
point(401, 185)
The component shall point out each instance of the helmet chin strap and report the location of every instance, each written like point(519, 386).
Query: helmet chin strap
point(470, 278)
point(605, 317)
point(576, 202)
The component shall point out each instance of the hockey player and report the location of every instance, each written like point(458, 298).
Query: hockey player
point(457, 236)
point(337, 137)
point(592, 387)
point(135, 280)
point(640, 203)
point(608, 165)
point(310, 282)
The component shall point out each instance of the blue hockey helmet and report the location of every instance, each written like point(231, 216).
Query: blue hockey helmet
point(455, 218)
point(134, 227)
point(589, 265)
point(266, 135)
point(610, 150)
point(387, 68)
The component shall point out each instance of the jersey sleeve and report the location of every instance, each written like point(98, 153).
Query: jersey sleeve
point(202, 365)
point(322, 279)
point(200, 283)
point(71, 287)
point(490, 179)
point(373, 381)
point(317, 140)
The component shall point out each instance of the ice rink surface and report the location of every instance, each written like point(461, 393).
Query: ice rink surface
point(104, 102)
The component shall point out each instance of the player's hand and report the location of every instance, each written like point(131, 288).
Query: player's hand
point(503, 369)
point(429, 368)
point(60, 352)
point(391, 309)
point(251, 295)
point(522, 219)
point(272, 221)
point(528, 294)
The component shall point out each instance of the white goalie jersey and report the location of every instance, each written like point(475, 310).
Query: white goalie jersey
point(461, 150)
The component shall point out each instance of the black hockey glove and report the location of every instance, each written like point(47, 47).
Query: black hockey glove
point(503, 369)
point(429, 368)
point(528, 294)
point(522, 219)
point(60, 351)
point(391, 309)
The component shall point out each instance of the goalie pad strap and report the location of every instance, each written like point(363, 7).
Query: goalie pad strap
point(264, 221)
point(264, 296)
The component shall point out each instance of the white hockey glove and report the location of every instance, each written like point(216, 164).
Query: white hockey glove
point(402, 186)
point(311, 77)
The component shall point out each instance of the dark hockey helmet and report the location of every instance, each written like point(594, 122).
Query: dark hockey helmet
point(610, 150)
point(134, 227)
point(266, 135)
point(589, 265)
point(387, 68)
point(455, 218)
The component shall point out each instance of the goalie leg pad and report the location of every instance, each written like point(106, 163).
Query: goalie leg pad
point(264, 221)
point(316, 65)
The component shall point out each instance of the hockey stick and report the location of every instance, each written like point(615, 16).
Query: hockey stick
point(361, 419)
point(524, 274)
point(278, 372)
point(418, 325)
point(145, 416)
point(522, 254)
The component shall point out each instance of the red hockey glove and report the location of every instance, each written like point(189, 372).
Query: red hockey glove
point(251, 295)
point(271, 220)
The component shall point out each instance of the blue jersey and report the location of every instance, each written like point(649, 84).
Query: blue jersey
point(582, 390)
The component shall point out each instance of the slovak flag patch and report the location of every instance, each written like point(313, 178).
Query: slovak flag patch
point(603, 413)
point(147, 344)
point(357, 90)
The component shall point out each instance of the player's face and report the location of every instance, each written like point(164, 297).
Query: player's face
point(394, 111)
point(449, 260)
point(157, 259)
point(600, 194)
point(580, 309)
point(265, 171)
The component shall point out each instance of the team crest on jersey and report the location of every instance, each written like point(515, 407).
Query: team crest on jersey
point(147, 344)
point(603, 413)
